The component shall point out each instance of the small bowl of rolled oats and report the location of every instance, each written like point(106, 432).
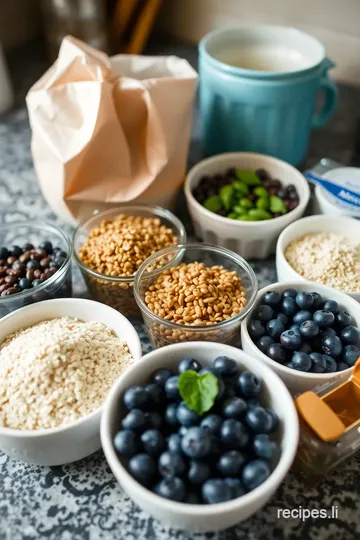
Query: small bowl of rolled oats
point(110, 246)
point(194, 292)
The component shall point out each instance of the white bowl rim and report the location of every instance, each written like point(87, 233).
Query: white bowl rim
point(280, 367)
point(280, 248)
point(276, 476)
point(232, 155)
point(43, 432)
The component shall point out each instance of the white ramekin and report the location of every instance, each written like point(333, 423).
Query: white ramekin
point(250, 239)
point(201, 518)
point(299, 381)
point(346, 226)
point(68, 443)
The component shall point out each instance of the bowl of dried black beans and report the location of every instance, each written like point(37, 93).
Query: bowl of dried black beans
point(34, 265)
point(243, 201)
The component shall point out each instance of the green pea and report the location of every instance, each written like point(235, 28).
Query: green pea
point(247, 217)
point(262, 203)
point(232, 215)
point(213, 203)
point(260, 191)
point(249, 177)
point(259, 214)
point(277, 205)
point(245, 203)
point(241, 189)
point(226, 194)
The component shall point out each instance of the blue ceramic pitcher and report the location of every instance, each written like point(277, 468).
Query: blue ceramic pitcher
point(258, 90)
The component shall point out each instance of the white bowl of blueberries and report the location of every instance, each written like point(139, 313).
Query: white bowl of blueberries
point(307, 333)
point(199, 435)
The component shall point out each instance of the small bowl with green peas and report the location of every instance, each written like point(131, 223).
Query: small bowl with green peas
point(243, 201)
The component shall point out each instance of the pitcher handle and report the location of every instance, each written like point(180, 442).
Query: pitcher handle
point(330, 93)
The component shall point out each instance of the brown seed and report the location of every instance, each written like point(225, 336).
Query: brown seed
point(11, 260)
point(4, 287)
point(25, 257)
point(3, 270)
point(10, 291)
point(37, 274)
point(44, 263)
point(11, 280)
point(30, 274)
point(35, 256)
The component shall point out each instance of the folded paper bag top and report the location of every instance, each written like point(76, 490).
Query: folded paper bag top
point(110, 130)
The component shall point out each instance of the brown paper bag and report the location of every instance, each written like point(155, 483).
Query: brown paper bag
point(110, 130)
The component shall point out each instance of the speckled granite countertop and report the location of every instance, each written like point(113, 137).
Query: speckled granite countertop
point(82, 501)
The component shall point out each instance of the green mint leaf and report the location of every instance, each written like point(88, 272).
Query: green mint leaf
point(249, 177)
point(277, 205)
point(198, 391)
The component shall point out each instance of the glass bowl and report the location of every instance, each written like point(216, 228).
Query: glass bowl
point(117, 291)
point(57, 286)
point(163, 332)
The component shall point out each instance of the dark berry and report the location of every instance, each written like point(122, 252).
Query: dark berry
point(231, 463)
point(4, 252)
point(331, 364)
point(324, 318)
point(291, 340)
point(277, 352)
point(351, 354)
point(174, 443)
point(153, 442)
point(283, 318)
point(234, 434)
point(288, 306)
point(171, 488)
point(47, 246)
point(171, 414)
point(289, 293)
point(154, 420)
point(25, 283)
point(134, 420)
point(265, 313)
point(136, 398)
point(331, 305)
point(317, 301)
point(331, 345)
point(172, 388)
point(215, 491)
point(196, 443)
point(226, 367)
point(301, 361)
point(126, 443)
point(208, 370)
point(318, 363)
point(304, 300)
point(15, 251)
point(236, 487)
point(199, 472)
point(161, 376)
point(306, 348)
point(189, 364)
point(211, 423)
point(302, 316)
point(350, 335)
point(234, 408)
point(60, 255)
point(343, 319)
point(295, 328)
point(259, 420)
point(264, 342)
point(249, 384)
point(341, 366)
point(33, 265)
point(192, 498)
point(256, 329)
point(182, 431)
point(143, 468)
point(156, 394)
point(254, 474)
point(309, 329)
point(187, 417)
point(274, 419)
point(264, 447)
point(272, 299)
point(275, 328)
point(171, 464)
point(327, 332)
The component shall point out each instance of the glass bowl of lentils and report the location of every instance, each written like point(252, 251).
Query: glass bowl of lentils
point(35, 264)
point(194, 292)
point(110, 246)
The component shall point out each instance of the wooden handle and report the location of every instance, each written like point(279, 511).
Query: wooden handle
point(143, 27)
point(124, 10)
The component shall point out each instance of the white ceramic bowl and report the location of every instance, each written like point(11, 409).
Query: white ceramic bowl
point(250, 239)
point(63, 444)
point(200, 518)
point(298, 381)
point(336, 224)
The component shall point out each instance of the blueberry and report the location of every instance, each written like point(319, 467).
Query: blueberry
point(182, 431)
point(331, 364)
point(301, 361)
point(275, 328)
point(189, 364)
point(199, 472)
point(277, 352)
point(306, 348)
point(258, 419)
point(215, 491)
point(272, 299)
point(226, 367)
point(252, 403)
point(236, 487)
point(57, 263)
point(249, 384)
point(231, 463)
point(174, 442)
point(136, 398)
point(274, 419)
point(135, 420)
point(331, 305)
point(341, 366)
point(289, 293)
point(154, 420)
point(4, 252)
point(60, 255)
point(15, 251)
point(256, 329)
point(351, 354)
point(327, 332)
point(230, 392)
point(33, 265)
point(126, 443)
point(172, 388)
point(234, 408)
point(196, 443)
point(208, 370)
point(295, 328)
point(289, 307)
point(283, 318)
point(27, 247)
point(161, 376)
point(264, 342)
point(324, 318)
point(25, 283)
point(153, 442)
point(264, 447)
point(265, 313)
point(304, 300)
point(350, 335)
point(343, 319)
point(331, 345)
point(290, 340)
point(255, 473)
point(317, 301)
point(318, 363)
point(302, 316)
point(309, 329)
point(171, 414)
point(185, 416)
point(47, 246)
point(171, 488)
point(234, 434)
point(143, 468)
point(156, 394)
point(192, 498)
point(171, 464)
point(211, 423)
